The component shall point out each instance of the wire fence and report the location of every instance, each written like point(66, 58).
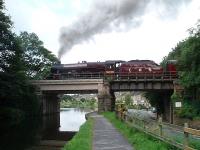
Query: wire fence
point(181, 137)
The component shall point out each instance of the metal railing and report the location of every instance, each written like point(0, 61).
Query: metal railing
point(118, 76)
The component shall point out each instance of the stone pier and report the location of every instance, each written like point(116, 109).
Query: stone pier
point(106, 98)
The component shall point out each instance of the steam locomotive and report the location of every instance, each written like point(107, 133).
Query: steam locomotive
point(117, 69)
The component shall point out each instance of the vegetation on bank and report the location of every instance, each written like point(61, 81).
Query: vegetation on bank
point(126, 98)
point(187, 54)
point(83, 139)
point(68, 101)
point(139, 140)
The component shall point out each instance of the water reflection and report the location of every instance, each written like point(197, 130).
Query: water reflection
point(21, 136)
point(30, 132)
point(71, 119)
point(64, 125)
point(50, 131)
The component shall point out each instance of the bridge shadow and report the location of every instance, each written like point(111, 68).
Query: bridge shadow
point(51, 126)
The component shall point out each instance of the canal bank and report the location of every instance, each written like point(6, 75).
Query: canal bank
point(61, 128)
point(50, 130)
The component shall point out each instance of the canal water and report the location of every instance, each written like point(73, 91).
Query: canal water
point(47, 129)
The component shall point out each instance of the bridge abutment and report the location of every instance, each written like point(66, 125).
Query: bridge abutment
point(106, 98)
point(50, 103)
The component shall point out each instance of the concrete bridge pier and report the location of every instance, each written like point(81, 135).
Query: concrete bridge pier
point(50, 103)
point(106, 98)
point(168, 107)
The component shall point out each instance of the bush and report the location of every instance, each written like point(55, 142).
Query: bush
point(10, 116)
point(190, 109)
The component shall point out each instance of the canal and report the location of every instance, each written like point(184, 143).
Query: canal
point(39, 132)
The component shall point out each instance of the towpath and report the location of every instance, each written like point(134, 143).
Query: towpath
point(107, 137)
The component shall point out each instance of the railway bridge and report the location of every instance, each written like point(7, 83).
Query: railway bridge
point(49, 90)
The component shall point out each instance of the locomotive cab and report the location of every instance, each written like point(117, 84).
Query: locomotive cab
point(112, 68)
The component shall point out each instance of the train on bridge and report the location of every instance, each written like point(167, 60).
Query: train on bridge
point(114, 69)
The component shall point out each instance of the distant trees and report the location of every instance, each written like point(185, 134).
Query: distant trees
point(78, 102)
point(128, 99)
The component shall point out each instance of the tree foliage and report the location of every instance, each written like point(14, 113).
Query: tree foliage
point(187, 54)
point(128, 99)
point(38, 59)
point(15, 91)
point(7, 42)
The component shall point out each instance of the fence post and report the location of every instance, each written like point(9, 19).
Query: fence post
point(143, 124)
point(186, 135)
point(124, 115)
point(160, 126)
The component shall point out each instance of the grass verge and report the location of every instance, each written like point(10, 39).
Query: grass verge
point(139, 140)
point(83, 139)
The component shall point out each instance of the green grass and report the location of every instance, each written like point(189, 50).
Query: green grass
point(139, 140)
point(193, 143)
point(83, 139)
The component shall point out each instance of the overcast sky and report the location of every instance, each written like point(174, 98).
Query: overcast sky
point(149, 32)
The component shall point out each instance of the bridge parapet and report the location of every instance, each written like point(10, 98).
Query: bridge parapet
point(68, 85)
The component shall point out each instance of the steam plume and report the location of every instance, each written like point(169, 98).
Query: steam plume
point(108, 15)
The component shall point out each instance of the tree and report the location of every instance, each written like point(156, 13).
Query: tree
point(187, 54)
point(38, 60)
point(15, 91)
point(7, 41)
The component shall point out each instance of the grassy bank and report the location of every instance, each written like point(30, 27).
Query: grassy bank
point(83, 139)
point(139, 140)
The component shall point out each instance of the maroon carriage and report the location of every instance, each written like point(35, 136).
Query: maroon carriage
point(136, 69)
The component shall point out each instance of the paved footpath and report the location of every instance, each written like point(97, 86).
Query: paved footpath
point(106, 137)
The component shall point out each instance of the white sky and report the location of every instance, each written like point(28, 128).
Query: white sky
point(153, 39)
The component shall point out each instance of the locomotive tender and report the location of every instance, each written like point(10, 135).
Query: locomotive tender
point(114, 69)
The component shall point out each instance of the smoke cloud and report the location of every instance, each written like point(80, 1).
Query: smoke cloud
point(109, 15)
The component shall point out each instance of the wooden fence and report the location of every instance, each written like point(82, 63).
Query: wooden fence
point(161, 130)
